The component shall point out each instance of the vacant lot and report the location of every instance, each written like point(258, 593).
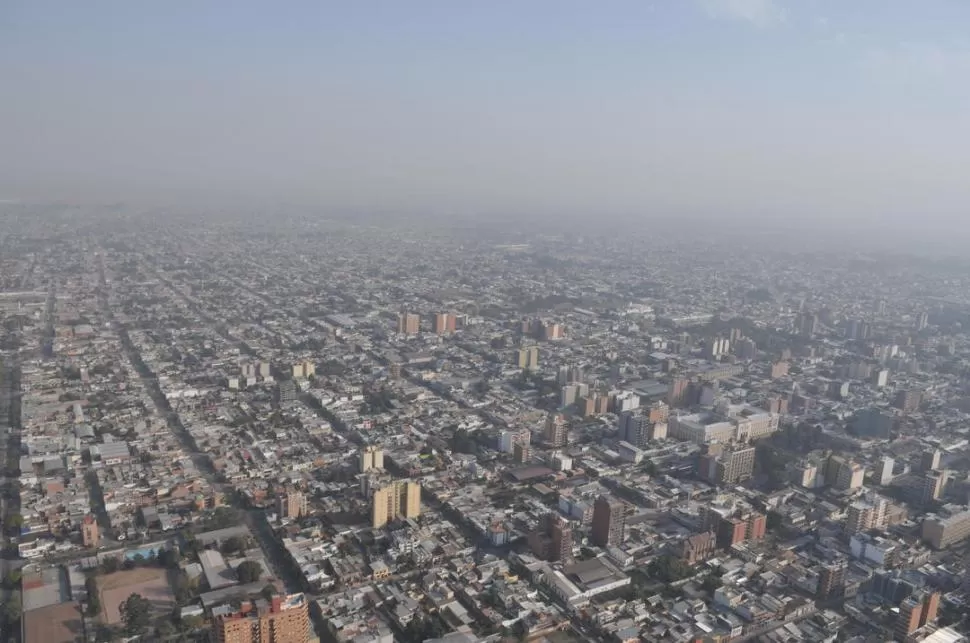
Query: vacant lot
point(151, 583)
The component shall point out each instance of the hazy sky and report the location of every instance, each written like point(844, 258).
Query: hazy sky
point(835, 109)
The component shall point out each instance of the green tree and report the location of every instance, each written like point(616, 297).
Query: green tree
point(249, 571)
point(104, 633)
point(94, 598)
point(190, 623)
point(110, 565)
point(169, 558)
point(711, 583)
point(268, 592)
point(12, 579)
point(136, 612)
point(12, 608)
point(669, 569)
point(233, 545)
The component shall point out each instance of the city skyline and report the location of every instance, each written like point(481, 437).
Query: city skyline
point(817, 114)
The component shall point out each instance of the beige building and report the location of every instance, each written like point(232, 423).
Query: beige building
point(304, 369)
point(90, 534)
point(399, 499)
point(940, 533)
point(292, 504)
point(285, 619)
point(528, 358)
point(371, 459)
point(864, 515)
point(731, 423)
point(408, 324)
point(719, 465)
point(843, 474)
point(556, 430)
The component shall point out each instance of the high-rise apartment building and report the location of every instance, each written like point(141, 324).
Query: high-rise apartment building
point(553, 539)
point(779, 369)
point(527, 358)
point(522, 452)
point(910, 613)
point(843, 474)
point(716, 348)
point(90, 534)
point(304, 369)
point(908, 400)
point(509, 438)
point(408, 323)
point(746, 348)
point(552, 331)
point(858, 329)
point(371, 458)
point(569, 375)
point(930, 460)
point(444, 323)
point(284, 619)
point(287, 391)
point(922, 320)
point(698, 547)
point(806, 325)
point(931, 607)
point(677, 393)
point(940, 532)
point(831, 580)
point(609, 519)
point(932, 487)
point(292, 504)
point(399, 499)
point(879, 378)
point(720, 465)
point(556, 431)
point(570, 393)
point(863, 515)
point(886, 466)
point(730, 531)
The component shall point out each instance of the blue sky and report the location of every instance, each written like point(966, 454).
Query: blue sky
point(827, 110)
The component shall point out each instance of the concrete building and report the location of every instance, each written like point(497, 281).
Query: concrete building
point(779, 370)
point(720, 465)
point(527, 358)
point(930, 460)
point(731, 423)
point(932, 487)
point(886, 466)
point(553, 539)
point(284, 619)
point(843, 474)
point(371, 458)
point(940, 533)
point(873, 422)
point(831, 581)
point(556, 430)
point(508, 439)
point(291, 505)
point(408, 323)
point(908, 619)
point(863, 515)
point(443, 323)
point(90, 533)
point(880, 378)
point(908, 400)
point(399, 499)
point(609, 519)
point(698, 547)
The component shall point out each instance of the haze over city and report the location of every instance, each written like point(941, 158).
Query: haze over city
point(485, 322)
point(819, 112)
